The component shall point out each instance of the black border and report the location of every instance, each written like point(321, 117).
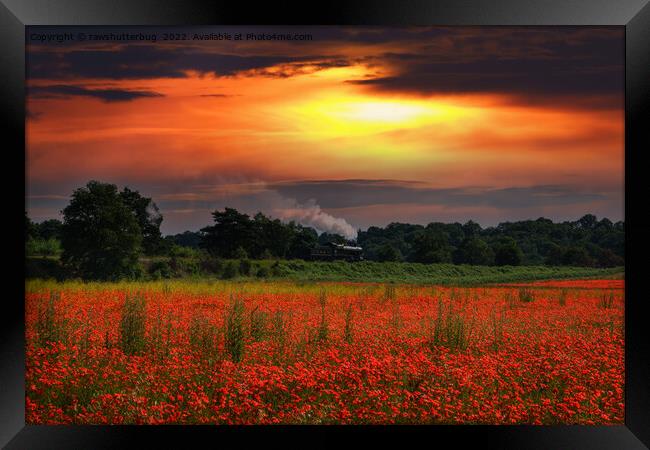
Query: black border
point(633, 14)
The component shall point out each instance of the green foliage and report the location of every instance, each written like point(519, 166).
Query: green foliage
point(160, 269)
point(536, 242)
point(230, 270)
point(234, 332)
point(148, 218)
point(231, 231)
point(101, 237)
point(258, 324)
point(450, 329)
point(245, 267)
point(576, 256)
point(475, 251)
point(388, 253)
point(30, 229)
point(240, 253)
point(178, 251)
point(606, 300)
point(442, 274)
point(507, 253)
point(263, 272)
point(276, 270)
point(210, 264)
point(48, 229)
point(236, 235)
point(526, 295)
point(43, 247)
point(45, 268)
point(132, 325)
point(431, 246)
point(49, 326)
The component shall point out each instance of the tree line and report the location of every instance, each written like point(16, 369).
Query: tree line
point(105, 231)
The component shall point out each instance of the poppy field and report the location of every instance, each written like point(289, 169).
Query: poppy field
point(282, 352)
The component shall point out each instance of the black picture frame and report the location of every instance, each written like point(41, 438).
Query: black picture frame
point(634, 15)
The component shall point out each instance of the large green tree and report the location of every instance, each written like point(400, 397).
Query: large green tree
point(231, 230)
point(431, 246)
point(149, 219)
point(100, 235)
point(507, 253)
point(475, 251)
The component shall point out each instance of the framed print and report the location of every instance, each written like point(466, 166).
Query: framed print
point(366, 220)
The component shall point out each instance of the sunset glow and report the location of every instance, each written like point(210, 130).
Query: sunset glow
point(195, 126)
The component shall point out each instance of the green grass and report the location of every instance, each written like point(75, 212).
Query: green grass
point(443, 274)
point(371, 272)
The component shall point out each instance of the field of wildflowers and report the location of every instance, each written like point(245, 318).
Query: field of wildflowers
point(324, 353)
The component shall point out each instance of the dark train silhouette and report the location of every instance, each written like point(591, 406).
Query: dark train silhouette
point(332, 251)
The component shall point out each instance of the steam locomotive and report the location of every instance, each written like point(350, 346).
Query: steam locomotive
point(333, 251)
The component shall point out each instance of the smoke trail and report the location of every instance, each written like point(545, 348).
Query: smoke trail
point(311, 214)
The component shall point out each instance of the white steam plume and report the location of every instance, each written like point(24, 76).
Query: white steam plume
point(311, 214)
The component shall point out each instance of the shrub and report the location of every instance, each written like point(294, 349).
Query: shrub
point(210, 264)
point(240, 253)
point(187, 266)
point(275, 269)
point(43, 247)
point(606, 300)
point(263, 272)
point(450, 329)
point(160, 269)
point(245, 267)
point(230, 270)
point(132, 325)
point(526, 295)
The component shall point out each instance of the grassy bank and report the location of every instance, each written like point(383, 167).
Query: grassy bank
point(367, 271)
point(443, 274)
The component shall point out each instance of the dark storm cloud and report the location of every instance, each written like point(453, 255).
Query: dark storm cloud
point(149, 61)
point(560, 68)
point(357, 193)
point(531, 62)
point(107, 95)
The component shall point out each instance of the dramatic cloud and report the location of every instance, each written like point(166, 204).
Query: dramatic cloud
point(153, 61)
point(354, 193)
point(593, 67)
point(107, 95)
point(494, 123)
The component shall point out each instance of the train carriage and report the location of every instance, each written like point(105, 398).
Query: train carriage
point(333, 251)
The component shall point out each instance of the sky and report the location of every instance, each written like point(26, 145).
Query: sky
point(355, 127)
